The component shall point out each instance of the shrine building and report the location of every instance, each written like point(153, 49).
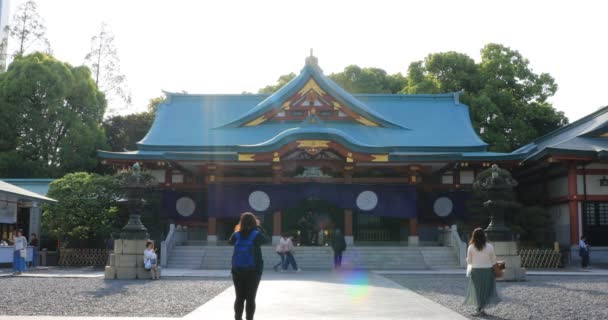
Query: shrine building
point(389, 168)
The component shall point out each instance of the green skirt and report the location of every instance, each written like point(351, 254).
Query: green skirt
point(481, 291)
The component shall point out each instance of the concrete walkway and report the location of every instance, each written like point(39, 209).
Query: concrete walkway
point(326, 295)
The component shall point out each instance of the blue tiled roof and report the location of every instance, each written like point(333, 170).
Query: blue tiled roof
point(195, 124)
point(581, 136)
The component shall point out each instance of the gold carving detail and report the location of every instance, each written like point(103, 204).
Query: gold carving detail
point(256, 121)
point(311, 85)
point(246, 157)
point(379, 157)
point(275, 157)
point(349, 158)
point(366, 122)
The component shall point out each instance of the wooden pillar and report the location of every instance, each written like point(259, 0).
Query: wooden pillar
point(412, 239)
point(348, 226)
point(276, 227)
point(573, 202)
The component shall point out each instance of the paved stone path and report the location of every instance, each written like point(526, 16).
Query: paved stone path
point(326, 295)
point(352, 295)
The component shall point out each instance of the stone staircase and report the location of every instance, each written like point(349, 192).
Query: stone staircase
point(321, 258)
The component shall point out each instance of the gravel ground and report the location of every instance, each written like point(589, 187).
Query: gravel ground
point(541, 297)
point(98, 297)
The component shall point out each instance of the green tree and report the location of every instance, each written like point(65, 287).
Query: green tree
point(86, 207)
point(123, 132)
point(50, 119)
point(508, 101)
point(355, 79)
point(154, 103)
point(280, 83)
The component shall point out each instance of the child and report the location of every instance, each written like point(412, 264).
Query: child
point(150, 260)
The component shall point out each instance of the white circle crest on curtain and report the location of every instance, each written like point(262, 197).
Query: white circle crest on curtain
point(367, 200)
point(443, 206)
point(185, 206)
point(259, 200)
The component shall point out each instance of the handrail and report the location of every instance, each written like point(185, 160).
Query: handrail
point(167, 245)
point(459, 246)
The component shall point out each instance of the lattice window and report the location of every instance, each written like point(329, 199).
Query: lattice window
point(590, 214)
point(603, 214)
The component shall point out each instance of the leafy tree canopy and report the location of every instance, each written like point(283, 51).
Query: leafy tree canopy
point(50, 119)
point(507, 100)
point(124, 131)
point(86, 207)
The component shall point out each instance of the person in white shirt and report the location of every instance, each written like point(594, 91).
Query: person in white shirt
point(481, 291)
point(20, 253)
point(280, 249)
point(289, 258)
point(150, 260)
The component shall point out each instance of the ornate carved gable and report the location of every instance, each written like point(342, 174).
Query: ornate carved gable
point(312, 100)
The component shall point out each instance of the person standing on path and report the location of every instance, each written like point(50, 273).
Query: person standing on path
point(583, 252)
point(339, 246)
point(34, 244)
point(247, 263)
point(481, 291)
point(289, 258)
point(151, 261)
point(281, 248)
point(20, 253)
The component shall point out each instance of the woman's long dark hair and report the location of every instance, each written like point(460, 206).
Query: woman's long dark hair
point(247, 223)
point(478, 239)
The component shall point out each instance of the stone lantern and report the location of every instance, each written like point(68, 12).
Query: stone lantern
point(127, 260)
point(496, 185)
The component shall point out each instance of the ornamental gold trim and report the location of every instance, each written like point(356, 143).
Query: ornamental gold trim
point(313, 143)
point(246, 157)
point(256, 121)
point(311, 85)
point(379, 157)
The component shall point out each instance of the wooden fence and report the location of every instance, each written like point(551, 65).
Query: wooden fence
point(83, 257)
point(540, 258)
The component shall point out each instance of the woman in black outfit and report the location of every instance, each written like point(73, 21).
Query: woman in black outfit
point(247, 263)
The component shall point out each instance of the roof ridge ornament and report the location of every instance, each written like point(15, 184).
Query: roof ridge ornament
point(312, 60)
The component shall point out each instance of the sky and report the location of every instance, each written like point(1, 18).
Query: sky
point(236, 46)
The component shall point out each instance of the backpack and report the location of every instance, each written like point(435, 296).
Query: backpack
point(244, 256)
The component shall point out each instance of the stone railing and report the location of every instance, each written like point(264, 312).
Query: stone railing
point(460, 247)
point(176, 236)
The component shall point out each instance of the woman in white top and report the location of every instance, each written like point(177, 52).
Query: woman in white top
point(150, 260)
point(20, 243)
point(481, 291)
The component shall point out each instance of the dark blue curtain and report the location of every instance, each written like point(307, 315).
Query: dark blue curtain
point(169, 202)
point(232, 200)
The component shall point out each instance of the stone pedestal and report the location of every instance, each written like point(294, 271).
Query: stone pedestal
point(507, 251)
point(127, 261)
point(413, 241)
